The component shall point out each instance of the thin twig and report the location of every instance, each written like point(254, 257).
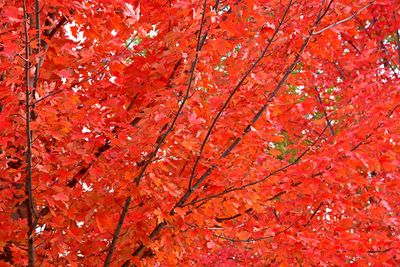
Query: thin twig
point(380, 251)
point(47, 96)
point(314, 213)
point(342, 21)
point(37, 50)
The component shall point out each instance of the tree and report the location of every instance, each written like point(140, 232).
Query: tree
point(221, 132)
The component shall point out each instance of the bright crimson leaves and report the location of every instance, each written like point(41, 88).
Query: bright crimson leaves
point(233, 133)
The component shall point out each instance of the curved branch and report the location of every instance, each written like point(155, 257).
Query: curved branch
point(342, 21)
point(232, 189)
point(159, 143)
point(239, 84)
point(271, 96)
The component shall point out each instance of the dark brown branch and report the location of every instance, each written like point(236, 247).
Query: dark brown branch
point(171, 77)
point(239, 84)
point(55, 29)
point(340, 70)
point(37, 49)
point(277, 195)
point(380, 251)
point(117, 232)
point(28, 182)
point(215, 8)
point(220, 220)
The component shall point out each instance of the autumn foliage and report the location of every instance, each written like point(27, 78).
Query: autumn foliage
point(205, 133)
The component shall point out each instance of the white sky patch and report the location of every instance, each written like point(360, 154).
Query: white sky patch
point(86, 187)
point(327, 211)
point(39, 229)
point(153, 32)
point(79, 38)
point(86, 130)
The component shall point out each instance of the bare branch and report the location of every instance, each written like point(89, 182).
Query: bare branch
point(342, 21)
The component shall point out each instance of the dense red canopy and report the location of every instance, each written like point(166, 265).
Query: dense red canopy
point(207, 133)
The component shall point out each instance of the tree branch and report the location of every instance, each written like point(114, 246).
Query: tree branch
point(380, 251)
point(161, 139)
point(28, 152)
point(117, 232)
point(232, 189)
point(142, 247)
point(239, 84)
point(258, 115)
point(271, 96)
point(342, 21)
point(47, 96)
point(252, 240)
